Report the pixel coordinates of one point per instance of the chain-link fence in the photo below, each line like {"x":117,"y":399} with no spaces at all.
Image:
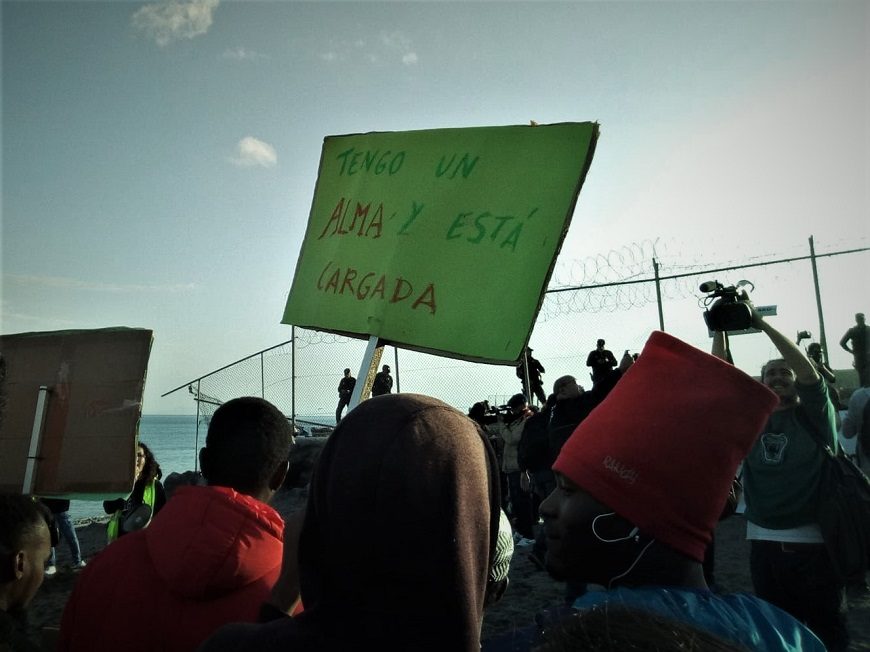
{"x":632,"y":293}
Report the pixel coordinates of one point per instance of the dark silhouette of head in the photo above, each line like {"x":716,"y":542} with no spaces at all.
{"x":566,"y":387}
{"x":477,"y":412}
{"x":417,"y":468}
{"x":247,"y":447}
{"x":516,"y":401}
{"x":25,"y":545}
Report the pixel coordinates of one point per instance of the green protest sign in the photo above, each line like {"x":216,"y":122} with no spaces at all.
{"x":440,"y":240}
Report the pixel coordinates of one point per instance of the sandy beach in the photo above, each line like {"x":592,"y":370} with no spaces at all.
{"x":530,"y":591}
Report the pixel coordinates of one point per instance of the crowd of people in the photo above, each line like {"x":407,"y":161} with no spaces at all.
{"x":629,"y":478}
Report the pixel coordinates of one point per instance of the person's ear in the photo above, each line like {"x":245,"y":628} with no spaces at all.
{"x":20,"y":564}
{"x":204,"y":462}
{"x":279,"y":475}
{"x":8,"y":567}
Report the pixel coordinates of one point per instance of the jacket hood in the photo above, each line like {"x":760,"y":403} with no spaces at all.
{"x":200,"y":543}
{"x":400,"y":528}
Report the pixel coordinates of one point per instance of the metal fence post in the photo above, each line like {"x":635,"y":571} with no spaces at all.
{"x":659,"y":294}
{"x":823,"y":340}
{"x":293,"y":378}
{"x":196,"y":445}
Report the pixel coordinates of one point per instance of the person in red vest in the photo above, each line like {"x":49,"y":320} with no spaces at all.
{"x":210,"y":557}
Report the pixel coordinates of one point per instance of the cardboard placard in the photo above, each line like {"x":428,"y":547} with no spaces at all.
{"x":440,"y":240}
{"x":95,"y":381}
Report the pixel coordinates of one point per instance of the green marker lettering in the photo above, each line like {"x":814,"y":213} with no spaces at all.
{"x":481,"y":229}
{"x":415,"y":213}
{"x":343,"y":156}
{"x":457,"y":224}
{"x":501,"y":222}
{"x":512,"y":237}
{"x":354,"y":163}
{"x":369,"y":159}
{"x":465,"y":165}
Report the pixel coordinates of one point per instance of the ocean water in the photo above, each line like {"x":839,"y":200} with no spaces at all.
{"x":173,"y":440}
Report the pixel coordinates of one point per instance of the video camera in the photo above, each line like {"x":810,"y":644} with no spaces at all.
{"x":485,"y":414}
{"x":503,"y":410}
{"x":731,"y":313}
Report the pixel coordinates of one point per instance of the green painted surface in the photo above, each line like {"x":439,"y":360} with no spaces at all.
{"x":441,"y":240}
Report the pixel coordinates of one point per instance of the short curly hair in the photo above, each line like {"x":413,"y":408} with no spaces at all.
{"x":20,"y":518}
{"x":247,"y":439}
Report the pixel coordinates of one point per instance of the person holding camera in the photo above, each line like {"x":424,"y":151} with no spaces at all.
{"x":814,"y":353}
{"x":789,"y":563}
{"x":510,"y":430}
{"x":602,"y":361}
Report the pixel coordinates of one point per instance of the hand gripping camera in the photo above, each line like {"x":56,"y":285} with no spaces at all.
{"x":730,"y":313}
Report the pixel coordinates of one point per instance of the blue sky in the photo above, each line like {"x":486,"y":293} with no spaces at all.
{"x":158,"y":159}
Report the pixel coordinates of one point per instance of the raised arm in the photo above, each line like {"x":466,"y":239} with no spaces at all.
{"x":826,"y":372}
{"x":804,"y":370}
{"x":844,"y":341}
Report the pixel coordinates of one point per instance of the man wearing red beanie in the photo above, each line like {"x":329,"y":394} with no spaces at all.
{"x":641,"y":484}
{"x":789,"y":562}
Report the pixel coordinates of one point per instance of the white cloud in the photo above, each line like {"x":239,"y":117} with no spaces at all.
{"x":242,"y":54}
{"x":251,"y":151}
{"x":172,"y":20}
{"x":395,"y":41}
{"x":13,"y":321}
{"x":388,"y":47}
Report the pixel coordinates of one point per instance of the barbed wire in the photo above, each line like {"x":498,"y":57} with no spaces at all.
{"x":624,"y":279}
{"x":305,"y":337}
{"x":301,"y":376}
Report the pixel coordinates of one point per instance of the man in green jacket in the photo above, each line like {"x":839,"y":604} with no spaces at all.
{"x":789,"y":562}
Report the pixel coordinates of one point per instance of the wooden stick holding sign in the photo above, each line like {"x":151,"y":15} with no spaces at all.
{"x":367,"y":370}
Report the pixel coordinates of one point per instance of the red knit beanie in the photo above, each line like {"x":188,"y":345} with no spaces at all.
{"x":662,"y":449}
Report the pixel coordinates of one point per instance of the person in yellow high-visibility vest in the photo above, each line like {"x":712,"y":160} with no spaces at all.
{"x":146,"y":499}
